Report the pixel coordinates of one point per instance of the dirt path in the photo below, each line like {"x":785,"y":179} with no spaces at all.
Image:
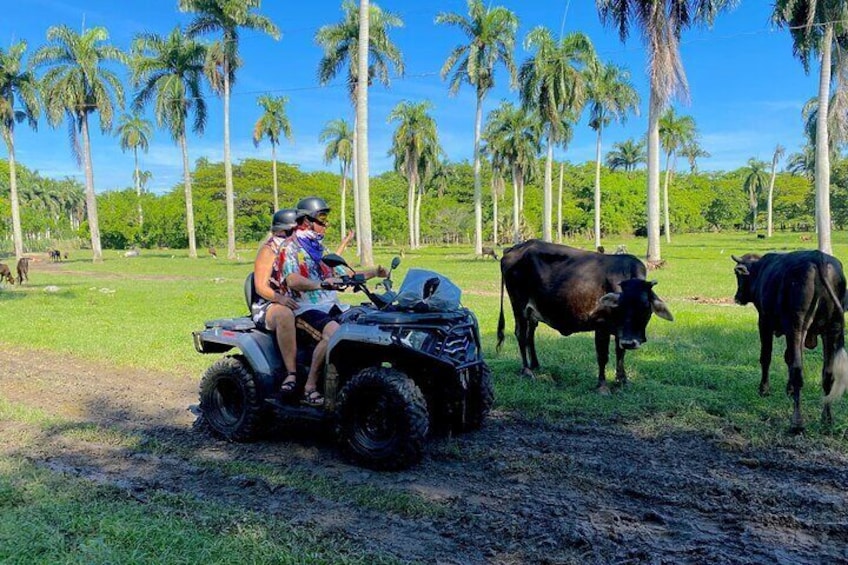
{"x":516,"y":492}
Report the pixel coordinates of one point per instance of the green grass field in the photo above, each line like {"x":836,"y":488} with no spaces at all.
{"x":699,"y":373}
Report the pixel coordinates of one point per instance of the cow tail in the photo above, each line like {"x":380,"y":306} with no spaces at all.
{"x":840,"y":376}
{"x":501,"y":321}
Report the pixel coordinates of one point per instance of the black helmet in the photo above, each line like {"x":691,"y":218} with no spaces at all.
{"x":311,"y":206}
{"x":284,"y":220}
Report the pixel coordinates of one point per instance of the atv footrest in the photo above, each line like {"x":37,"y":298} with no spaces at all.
{"x":289,"y":410}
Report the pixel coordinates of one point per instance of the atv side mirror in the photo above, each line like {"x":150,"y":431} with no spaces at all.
{"x":395,"y":263}
{"x":332,"y":260}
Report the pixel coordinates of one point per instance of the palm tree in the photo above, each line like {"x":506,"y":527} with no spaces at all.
{"x":169,"y":72}
{"x":21,"y":84}
{"x":134,"y":132}
{"x":693,"y":151}
{"x":338,"y":136}
{"x":490,"y":35}
{"x":554,"y":86}
{"x":227,"y":17}
{"x":815,"y":26}
{"x":755,"y":181}
{"x":626,"y":155}
{"x":675,"y":132}
{"x":611,"y":96}
{"x":779,"y":151}
{"x":836,"y":124}
{"x":514,"y":133}
{"x":76,"y":84}
{"x":803,"y":163}
{"x":414,"y":136}
{"x":272,"y":124}
{"x":661,"y":22}
{"x":340,"y":43}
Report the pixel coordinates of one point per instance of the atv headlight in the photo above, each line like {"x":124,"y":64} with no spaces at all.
{"x":415,"y":339}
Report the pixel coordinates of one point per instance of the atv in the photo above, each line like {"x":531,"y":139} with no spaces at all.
{"x":397,"y":368}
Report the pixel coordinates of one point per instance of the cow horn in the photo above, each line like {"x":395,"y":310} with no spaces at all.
{"x":735,"y":258}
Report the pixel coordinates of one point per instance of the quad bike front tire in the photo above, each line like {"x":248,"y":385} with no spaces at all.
{"x":230,"y":405}
{"x":382,"y":419}
{"x":479,"y":399}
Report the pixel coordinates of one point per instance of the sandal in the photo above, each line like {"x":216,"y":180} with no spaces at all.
{"x":288,"y":387}
{"x":312,"y":398}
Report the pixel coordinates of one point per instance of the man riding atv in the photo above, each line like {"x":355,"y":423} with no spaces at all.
{"x":313,"y":286}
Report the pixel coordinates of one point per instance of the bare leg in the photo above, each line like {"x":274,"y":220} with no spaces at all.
{"x":318,"y":357}
{"x":281,"y":321}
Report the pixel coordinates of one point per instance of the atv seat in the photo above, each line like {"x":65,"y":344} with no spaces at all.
{"x":250,"y":295}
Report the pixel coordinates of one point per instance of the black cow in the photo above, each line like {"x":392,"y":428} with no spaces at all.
{"x":797,"y":295}
{"x":55,"y":255}
{"x":23,"y":270}
{"x":573,"y":290}
{"x":6,"y":274}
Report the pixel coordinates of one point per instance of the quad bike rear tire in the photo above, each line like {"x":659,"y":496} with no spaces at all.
{"x":382,"y":419}
{"x":230,"y":405}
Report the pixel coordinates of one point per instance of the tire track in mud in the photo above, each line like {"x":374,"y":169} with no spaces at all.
{"x":518,"y":491}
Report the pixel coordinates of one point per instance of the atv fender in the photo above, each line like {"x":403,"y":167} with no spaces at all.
{"x":259,"y":349}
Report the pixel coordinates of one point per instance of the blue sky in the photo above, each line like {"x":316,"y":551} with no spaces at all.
{"x":746,"y":89}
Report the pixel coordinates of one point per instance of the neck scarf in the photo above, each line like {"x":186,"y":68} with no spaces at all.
{"x":311,"y":243}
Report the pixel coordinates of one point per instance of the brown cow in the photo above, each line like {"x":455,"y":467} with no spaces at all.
{"x":490,"y":252}
{"x":23,"y":270}
{"x":6,"y":274}
{"x":213,"y":252}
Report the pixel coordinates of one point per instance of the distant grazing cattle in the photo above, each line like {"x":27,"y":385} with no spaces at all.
{"x":797,"y":295}
{"x":761,"y":236}
{"x":6,"y":274}
{"x":55,"y":255}
{"x":806,"y":237}
{"x":23,"y":270}
{"x":572,"y":291}
{"x":213,"y":252}
{"x":490,"y":252}
{"x":621,"y":250}
{"x":65,"y":255}
{"x":131,"y":253}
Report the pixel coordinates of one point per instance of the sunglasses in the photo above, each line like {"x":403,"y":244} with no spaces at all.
{"x":320,"y":219}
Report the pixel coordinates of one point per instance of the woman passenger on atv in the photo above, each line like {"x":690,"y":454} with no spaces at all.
{"x":313,"y":286}
{"x":274,"y":307}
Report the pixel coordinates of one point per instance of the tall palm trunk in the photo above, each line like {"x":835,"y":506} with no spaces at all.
{"x":771,"y":193}
{"x":598,"y":190}
{"x":516,"y":234}
{"x":478,"y":191}
{"x":495,"y":180}
{"x":17,"y":234}
{"x":410,"y":207}
{"x":665,"y":196}
{"x":138,"y":189}
{"x":228,"y":166}
{"x":192,"y":243}
{"x":822,"y":146}
{"x":274,"y":169}
{"x":343,"y":222}
{"x":653,"y":202}
{"x":90,"y":197}
{"x":362,"y":130}
{"x":418,"y":217}
{"x":559,"y":203}
{"x":355,"y":182}
{"x":548,"y":200}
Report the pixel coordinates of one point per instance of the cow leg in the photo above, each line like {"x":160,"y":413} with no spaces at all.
{"x":766,"y":345}
{"x":602,"y":340}
{"x":620,"y":373}
{"x":794,"y":358}
{"x":829,"y":345}
{"x":532,"y":324}
{"x":521,"y":337}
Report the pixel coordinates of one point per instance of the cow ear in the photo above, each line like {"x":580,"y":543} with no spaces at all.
{"x":609,"y":300}
{"x":660,"y":309}
{"x":741,"y":270}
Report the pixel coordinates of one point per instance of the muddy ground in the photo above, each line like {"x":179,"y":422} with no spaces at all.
{"x":518,"y":491}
